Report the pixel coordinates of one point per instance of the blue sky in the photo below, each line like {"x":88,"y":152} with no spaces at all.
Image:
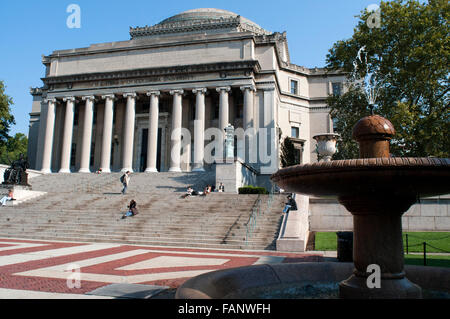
{"x":32,"y":28}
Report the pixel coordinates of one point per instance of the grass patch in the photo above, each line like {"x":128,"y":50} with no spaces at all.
{"x":440,"y":240}
{"x":437,"y":242}
{"x":325,"y":241}
{"x":434,"y":261}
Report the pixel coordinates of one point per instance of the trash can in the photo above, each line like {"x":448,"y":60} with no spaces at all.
{"x":345,"y":246}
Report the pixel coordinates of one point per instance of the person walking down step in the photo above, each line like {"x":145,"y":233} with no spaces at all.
{"x":125,"y":180}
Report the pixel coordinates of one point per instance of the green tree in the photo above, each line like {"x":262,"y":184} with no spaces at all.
{"x":6,"y":118}
{"x":410,"y":52}
{"x":287,"y":153}
{"x":13,"y":148}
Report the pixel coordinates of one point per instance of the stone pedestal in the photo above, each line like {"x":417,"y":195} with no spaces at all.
{"x":226,"y":174}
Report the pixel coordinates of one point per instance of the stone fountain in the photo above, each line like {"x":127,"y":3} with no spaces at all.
{"x":377,"y":189}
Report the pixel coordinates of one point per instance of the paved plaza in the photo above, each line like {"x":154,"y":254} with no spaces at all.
{"x":36,"y":269}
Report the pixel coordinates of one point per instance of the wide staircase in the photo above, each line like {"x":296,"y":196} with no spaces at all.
{"x":89,"y":207}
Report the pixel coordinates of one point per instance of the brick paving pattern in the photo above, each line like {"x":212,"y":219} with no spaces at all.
{"x":45,"y":266}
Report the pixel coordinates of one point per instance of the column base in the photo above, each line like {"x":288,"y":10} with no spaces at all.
{"x":84,"y":170}
{"x":46,"y":171}
{"x":64,"y":171}
{"x":106,"y":170}
{"x":355,"y":287}
{"x":124,"y":170}
{"x":198,"y":169}
{"x":151,"y":170}
{"x":175,"y":170}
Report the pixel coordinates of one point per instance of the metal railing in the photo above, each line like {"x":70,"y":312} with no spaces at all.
{"x":257,"y":211}
{"x":424,"y":245}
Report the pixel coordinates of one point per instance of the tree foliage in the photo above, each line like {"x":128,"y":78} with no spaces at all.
{"x":13,"y":148}
{"x":410,"y":52}
{"x":6,"y":118}
{"x":10,"y":147}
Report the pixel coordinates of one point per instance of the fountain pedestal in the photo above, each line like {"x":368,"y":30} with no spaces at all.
{"x":378,"y":242}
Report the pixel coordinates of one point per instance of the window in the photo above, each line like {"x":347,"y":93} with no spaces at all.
{"x":76,"y":116}
{"x":294,"y":87}
{"x":215,"y":108}
{"x":94,"y":121}
{"x":295,"y":132}
{"x":239,"y":105}
{"x":337,"y":88}
{"x":334,"y":124}
{"x":192,"y":108}
{"x":73,"y":154}
{"x":91,"y":160}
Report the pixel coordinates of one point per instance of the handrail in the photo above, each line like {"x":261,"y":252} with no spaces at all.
{"x":251,"y":222}
{"x":256,"y":212}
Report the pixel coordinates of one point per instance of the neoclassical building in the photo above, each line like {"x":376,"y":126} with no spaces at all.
{"x":115,"y":105}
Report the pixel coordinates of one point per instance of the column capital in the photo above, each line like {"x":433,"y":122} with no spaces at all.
{"x":156,"y":93}
{"x":52,"y":99}
{"x":199,"y":90}
{"x":248,"y":87}
{"x":109,"y":96}
{"x":270,"y":87}
{"x":173,"y":92}
{"x":69,"y":98}
{"x":223,"y":88}
{"x":88,"y":98}
{"x":130,"y":94}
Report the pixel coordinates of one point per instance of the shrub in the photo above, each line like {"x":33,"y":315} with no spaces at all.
{"x":250,"y":189}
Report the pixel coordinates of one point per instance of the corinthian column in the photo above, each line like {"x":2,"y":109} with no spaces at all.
{"x":199,"y":130}
{"x":153,"y":132}
{"x":129,"y":132}
{"x":248,"y":106}
{"x":223,"y":107}
{"x":48,"y":137}
{"x":175,"y":153}
{"x":87,"y":134}
{"x":67,"y":135}
{"x":105,"y":158}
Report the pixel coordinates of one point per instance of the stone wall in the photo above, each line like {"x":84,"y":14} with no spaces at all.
{"x":431,"y":214}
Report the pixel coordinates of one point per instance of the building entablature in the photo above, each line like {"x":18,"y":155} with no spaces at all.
{"x":163,"y":75}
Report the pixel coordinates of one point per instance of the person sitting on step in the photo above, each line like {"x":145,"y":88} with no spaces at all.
{"x":7,"y":197}
{"x":132,"y":210}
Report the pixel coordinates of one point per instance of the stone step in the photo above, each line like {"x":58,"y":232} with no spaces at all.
{"x":88,"y":207}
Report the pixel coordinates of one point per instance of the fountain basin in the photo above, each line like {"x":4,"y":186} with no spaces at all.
{"x":387,"y":176}
{"x":316,"y":280}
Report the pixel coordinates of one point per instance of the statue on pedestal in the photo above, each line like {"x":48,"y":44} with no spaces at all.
{"x":16,"y":174}
{"x":229,"y":142}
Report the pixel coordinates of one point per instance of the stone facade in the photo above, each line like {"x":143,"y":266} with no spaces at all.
{"x":117,"y":106}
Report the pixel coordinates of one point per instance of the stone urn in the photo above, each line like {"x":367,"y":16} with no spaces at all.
{"x":326,"y":145}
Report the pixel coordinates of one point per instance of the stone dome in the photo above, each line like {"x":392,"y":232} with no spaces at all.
{"x":206,"y":14}
{"x":200,"y":20}
{"x":372,"y":126}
